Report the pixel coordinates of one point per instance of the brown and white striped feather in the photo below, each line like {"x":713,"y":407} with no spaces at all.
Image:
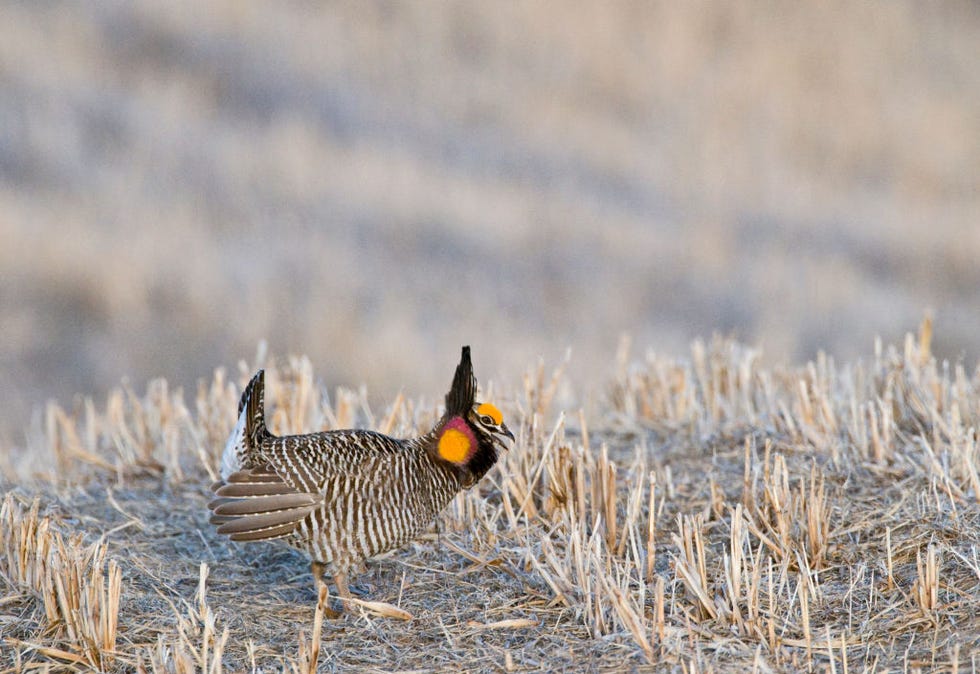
{"x":341,"y":496}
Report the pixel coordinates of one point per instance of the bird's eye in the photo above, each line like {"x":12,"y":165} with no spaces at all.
{"x":486,"y":420}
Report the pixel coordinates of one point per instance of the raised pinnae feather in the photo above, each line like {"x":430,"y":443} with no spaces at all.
{"x":462,"y":393}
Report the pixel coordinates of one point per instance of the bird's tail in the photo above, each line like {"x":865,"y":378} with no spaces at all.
{"x":250,"y":429}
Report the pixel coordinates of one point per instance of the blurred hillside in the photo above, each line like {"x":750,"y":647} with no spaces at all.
{"x":374,"y":184}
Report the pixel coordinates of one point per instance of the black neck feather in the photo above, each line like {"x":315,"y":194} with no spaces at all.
{"x":483,"y":459}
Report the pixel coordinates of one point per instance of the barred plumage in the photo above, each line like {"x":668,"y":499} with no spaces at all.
{"x":346,"y":496}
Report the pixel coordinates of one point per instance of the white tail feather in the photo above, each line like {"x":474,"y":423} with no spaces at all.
{"x":231,"y":459}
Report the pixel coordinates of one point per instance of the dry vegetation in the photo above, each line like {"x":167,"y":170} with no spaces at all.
{"x":711,"y":516}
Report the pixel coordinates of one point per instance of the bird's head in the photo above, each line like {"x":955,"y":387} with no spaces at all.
{"x":470,"y":431}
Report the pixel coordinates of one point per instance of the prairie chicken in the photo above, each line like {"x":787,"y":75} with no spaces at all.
{"x":345,"y":496}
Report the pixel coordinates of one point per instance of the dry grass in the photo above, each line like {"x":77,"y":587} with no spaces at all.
{"x":79,"y":591}
{"x":712,"y":516}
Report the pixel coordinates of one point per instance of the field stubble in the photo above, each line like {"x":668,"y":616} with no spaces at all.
{"x":710,"y":516}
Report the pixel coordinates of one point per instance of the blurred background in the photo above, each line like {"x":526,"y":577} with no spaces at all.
{"x":376,"y":183}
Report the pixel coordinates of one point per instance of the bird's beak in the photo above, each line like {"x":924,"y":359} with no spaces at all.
{"x":506,"y":431}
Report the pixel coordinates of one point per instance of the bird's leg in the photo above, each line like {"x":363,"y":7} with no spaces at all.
{"x":318,"y":569}
{"x":340,"y":580}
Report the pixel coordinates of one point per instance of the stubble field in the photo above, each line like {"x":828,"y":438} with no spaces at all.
{"x":713,"y":516}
